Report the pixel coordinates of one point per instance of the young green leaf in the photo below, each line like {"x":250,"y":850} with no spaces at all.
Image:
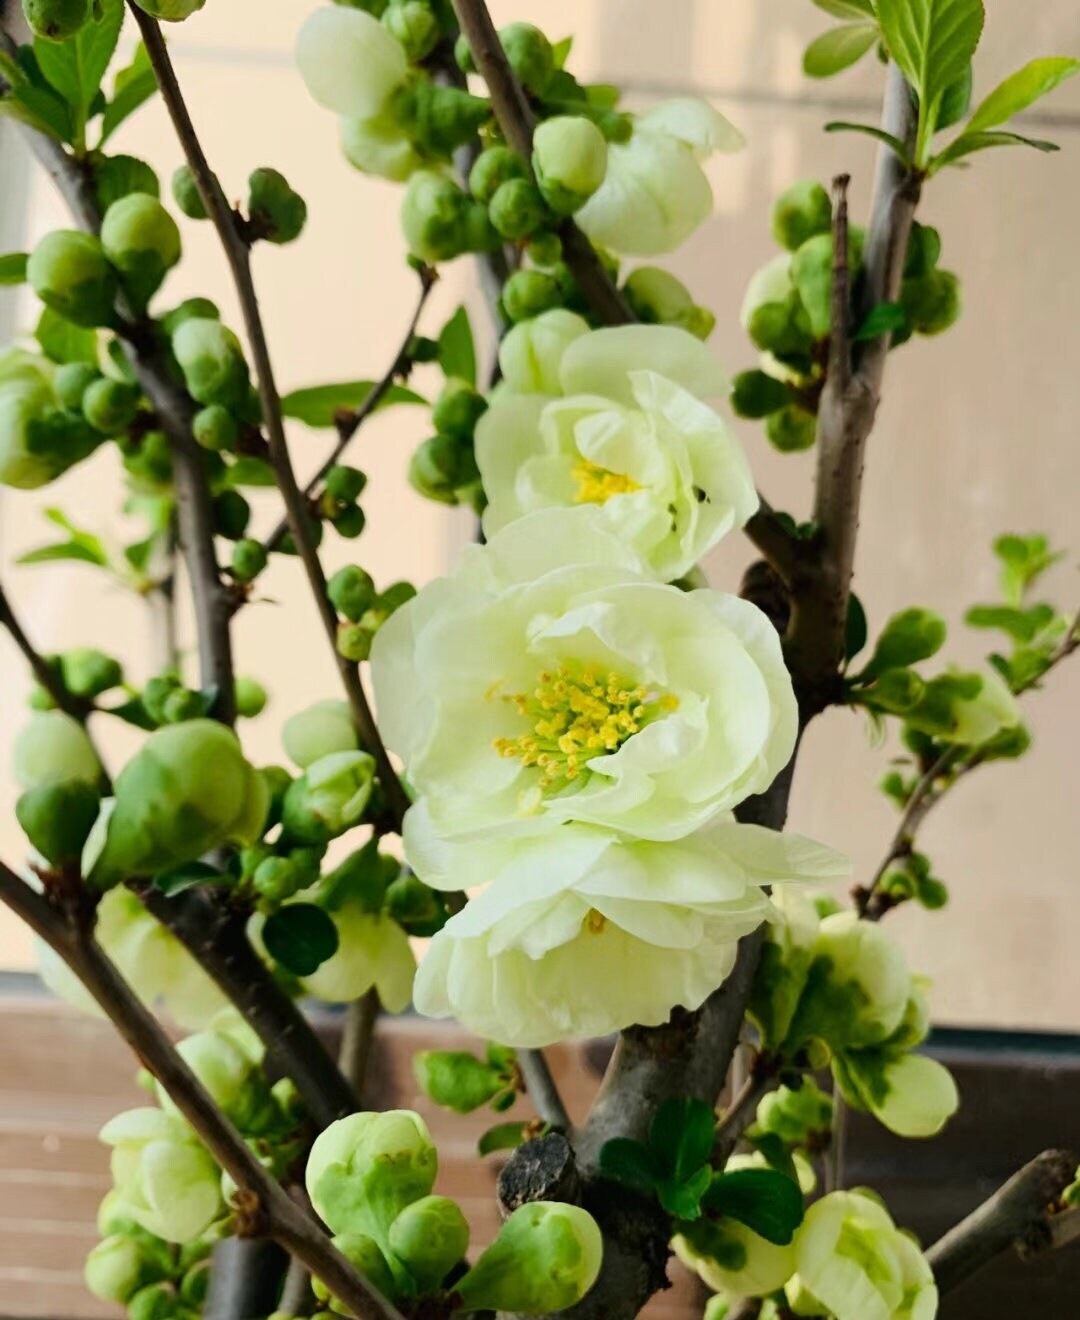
{"x":882,"y":319}
{"x":629,"y":1162}
{"x":683,"y":1199}
{"x":185,"y":877}
{"x":838,"y":49}
{"x":503,"y":1136}
{"x":932,"y":41}
{"x":1020,"y":90}
{"x":1020,"y":625}
{"x":844,"y":126}
{"x":134,"y":86}
{"x":64,"y":342}
{"x":766,"y":1201}
{"x":908,"y":637}
{"x":856,"y":628}
{"x":76,"y":67}
{"x":250,"y":471}
{"x":955,"y":101}
{"x":318,"y":405}
{"x":853,"y":10}
{"x":301,"y":937}
{"x":457,"y":352}
{"x":968,"y":143}
{"x":681,"y":1137}
{"x":13,"y":267}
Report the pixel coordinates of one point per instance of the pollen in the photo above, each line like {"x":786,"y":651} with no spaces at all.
{"x":594,"y":922}
{"x":596,"y":485}
{"x":574,"y":715}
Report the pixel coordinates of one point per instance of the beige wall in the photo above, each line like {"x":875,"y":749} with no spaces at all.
{"x":977,"y":433}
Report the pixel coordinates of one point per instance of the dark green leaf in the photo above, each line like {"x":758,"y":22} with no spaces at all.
{"x":968,"y":143}
{"x":503,"y":1136}
{"x":766,"y":1201}
{"x":851,"y":10}
{"x":76,"y":67}
{"x":629,"y":1162}
{"x":40,"y":109}
{"x":855,"y":631}
{"x":184,"y":877}
{"x":317,"y":405}
{"x":955,"y":101}
{"x":118,"y":176}
{"x":457,"y":352}
{"x":883,"y":319}
{"x":775,"y":1152}
{"x":843,"y":126}
{"x":683,"y":1199}
{"x":681,"y":1137}
{"x":64,"y":342}
{"x":13,"y":267}
{"x":134,"y":86}
{"x":838,"y":49}
{"x":133,"y":712}
{"x":1020,"y":90}
{"x":932,"y":41}
{"x":301,"y":937}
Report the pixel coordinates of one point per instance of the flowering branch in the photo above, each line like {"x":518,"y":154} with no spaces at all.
{"x":238,"y":254}
{"x":65,"y":923}
{"x":43,"y":673}
{"x":542,"y":1089}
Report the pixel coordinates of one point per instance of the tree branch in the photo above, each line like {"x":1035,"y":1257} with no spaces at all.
{"x":238,"y":256}
{"x":357,"y":1039}
{"x":1017,"y":1215}
{"x":542,"y":1090}
{"x":66,"y":926}
{"x":742,"y":1111}
{"x":43,"y":672}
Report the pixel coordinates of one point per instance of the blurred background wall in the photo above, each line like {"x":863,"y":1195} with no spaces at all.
{"x":977,"y":433}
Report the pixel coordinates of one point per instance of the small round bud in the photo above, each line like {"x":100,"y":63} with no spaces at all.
{"x":351,"y":592}
{"x":69,"y":272}
{"x":329,"y":798}
{"x":439,"y":466}
{"x":87,"y":672}
{"x":791,"y":429}
{"x":932,"y":302}
{"x":570,"y":161}
{"x":458,"y":410}
{"x":170,"y":11}
{"x":141,"y":240}
{"x":463,"y":55}
{"x":349,"y":522}
{"x":186,"y":193}
{"x":275,"y":211}
{"x":156,"y":1302}
{"x":530,"y":55}
{"x":195,"y":1285}
{"x":232,"y":513}
{"x":58,"y":818}
{"x":53,"y":748}
{"x":801,"y":212}
{"x":414,"y":24}
{"x":277,"y":879}
{"x":529,"y":293}
{"x":248,"y":559}
{"x":354,"y":642}
{"x":433,"y":215}
{"x":517,"y":209}
{"x":251,"y":698}
{"x":345,"y":483}
{"x":321,"y":729}
{"x":212,"y":360}
{"x":757,"y":394}
{"x":110,"y":406}
{"x":430,"y":1237}
{"x":189,"y":310}
{"x":416,"y":907}
{"x":366,"y":1257}
{"x":396,"y":595}
{"x":181,"y":706}
{"x":71,"y":381}
{"x":658,"y":298}
{"x":494,"y":167}
{"x":57,"y":20}
{"x":544,"y":250}
{"x":114,"y":1269}
{"x":215,"y":428}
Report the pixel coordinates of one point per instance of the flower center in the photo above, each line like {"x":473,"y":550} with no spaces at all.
{"x":596,"y":485}
{"x":576,"y":714}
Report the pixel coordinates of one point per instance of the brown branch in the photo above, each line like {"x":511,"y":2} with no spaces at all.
{"x":1017,"y":1215}
{"x":783,"y":552}
{"x":357,"y":1040}
{"x":46,"y":677}
{"x":742,"y":1111}
{"x":68,"y":929}
{"x":238,"y":256}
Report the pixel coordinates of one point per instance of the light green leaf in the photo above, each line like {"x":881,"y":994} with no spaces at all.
{"x":871,"y":130}
{"x":1020,"y":90}
{"x":76,"y":67}
{"x":503,"y":1136}
{"x":852,"y":10}
{"x":968,"y":143}
{"x":69,"y":550}
{"x":38,"y":109}
{"x":13,"y":267}
{"x":838,"y":49}
{"x":250,"y":471}
{"x":318,"y":404}
{"x":134,"y":86}
{"x":64,"y":342}
{"x":932,"y":41}
{"x":955,"y":101}
{"x":560,"y":51}
{"x":457,"y":352}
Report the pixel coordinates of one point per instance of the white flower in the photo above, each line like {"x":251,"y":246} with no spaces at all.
{"x":549,"y":680}
{"x":349,"y":61}
{"x":669,"y":476}
{"x":531,"y":354}
{"x":379,"y":146}
{"x":579,"y":933}
{"x":655,"y":193}
{"x":372,"y":950}
{"x":855,"y":1262}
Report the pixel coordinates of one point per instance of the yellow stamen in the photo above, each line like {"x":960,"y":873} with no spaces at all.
{"x":594,"y":922}
{"x":596,"y":485}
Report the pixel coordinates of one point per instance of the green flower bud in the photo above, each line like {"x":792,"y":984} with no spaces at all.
{"x":189,"y":310}
{"x":248,"y":560}
{"x":658,"y":298}
{"x":350,"y":522}
{"x":365,"y":1256}
{"x":69,"y":272}
{"x":570,"y":161}
{"x":251,"y":698}
{"x":156,"y":1302}
{"x":529,"y":293}
{"x":417,"y":907}
{"x":345,"y":483}
{"x":277,"y":879}
{"x":544,"y":250}
{"x":53,"y":748}
{"x":546,"y":1258}
{"x":188,"y":791}
{"x":924,"y":249}
{"x":530,"y":54}
{"x":458,"y":409}
{"x":71,"y":381}
{"x":414,"y":25}
{"x":170,"y":11}
{"x":430,"y":1237}
{"x":354,"y":642}
{"x":794,"y":1116}
{"x":215,"y":428}
{"x":494,"y":167}
{"x":365,"y":1169}
{"x":195,"y":1285}
{"x":517,"y":209}
{"x":212,"y":360}
{"x":352,"y":592}
{"x":757,"y":394}
{"x":783,"y":329}
{"x":456,"y":1080}
{"x":931,"y":302}
{"x":396,"y":595}
{"x":379,"y":146}
{"x":57,"y":20}
{"x":114,"y":1269}
{"x":232,"y":513}
{"x":434,"y":217}
{"x":87,"y":672}
{"x":183,"y":705}
{"x":329,"y":798}
{"x":141,"y":240}
{"x":275,"y":211}
{"x":531,"y":353}
{"x":436,"y":119}
{"x":361,"y":879}
{"x":58,"y":818}
{"x":811,"y":271}
{"x":318,"y":731}
{"x":791,"y":429}
{"x":439,"y":467}
{"x":110,"y":406}
{"x":228,"y":1072}
{"x":801,"y":212}
{"x":186,"y":193}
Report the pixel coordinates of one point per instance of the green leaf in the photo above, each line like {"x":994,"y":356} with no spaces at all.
{"x":968,"y":143}
{"x":133,"y":712}
{"x":13,"y":267}
{"x":317,"y":405}
{"x":683,"y":1199}
{"x":503,"y":1136}
{"x":68,"y":550}
{"x":560,"y":51}
{"x":775,"y":1152}
{"x":955,"y":101}
{"x":681,"y":1136}
{"x":1024,"y":559}
{"x":457,"y":352}
{"x":76,"y":67}
{"x":38,"y":109}
{"x":134,"y":86}
{"x":184,"y":877}
{"x":882,"y":319}
{"x":908,"y":637}
{"x":118,"y":176}
{"x":932,"y":41}
{"x":250,"y":471}
{"x":1020,"y":90}
{"x":871,"y":130}
{"x":838,"y":49}
{"x":766,"y":1201}
{"x":855,"y":630}
{"x":64,"y":342}
{"x":854,"y":10}
{"x":301,"y":937}
{"x":629,"y":1162}
{"x":1020,"y":625}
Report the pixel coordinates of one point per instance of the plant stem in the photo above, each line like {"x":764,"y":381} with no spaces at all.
{"x":238,"y":256}
{"x":357,"y":1040}
{"x":542,"y":1089}
{"x":742,"y":1110}
{"x":42,"y":671}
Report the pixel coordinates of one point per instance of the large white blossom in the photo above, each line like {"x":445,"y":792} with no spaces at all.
{"x":655,"y":193}
{"x":579,"y":933}
{"x":631,"y":435}
{"x":550,"y":680}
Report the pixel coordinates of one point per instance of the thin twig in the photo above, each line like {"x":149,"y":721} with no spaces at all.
{"x":768,"y":533}
{"x":262,"y":1206}
{"x":357,"y":1040}
{"x":542,"y":1090}
{"x":743,"y":1109}
{"x":43,"y":672}
{"x":836,"y":1151}
{"x":238,"y":256}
